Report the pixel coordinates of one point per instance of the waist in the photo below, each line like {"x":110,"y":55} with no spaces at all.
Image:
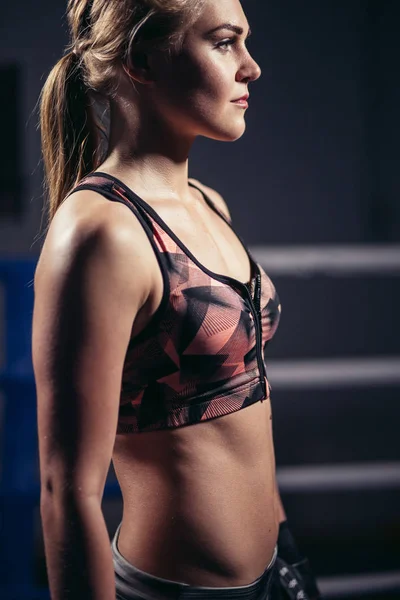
{"x":202,"y":496}
{"x":130,"y":579}
{"x":209,"y":531}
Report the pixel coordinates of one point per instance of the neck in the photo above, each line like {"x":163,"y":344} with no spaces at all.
{"x":146,"y":151}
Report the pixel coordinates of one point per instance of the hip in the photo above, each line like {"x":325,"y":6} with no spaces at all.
{"x":133,"y":583}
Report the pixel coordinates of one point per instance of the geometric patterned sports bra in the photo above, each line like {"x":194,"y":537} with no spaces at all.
{"x":201,"y":355}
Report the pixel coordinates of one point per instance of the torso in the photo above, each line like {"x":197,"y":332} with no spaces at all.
{"x":199,"y":501}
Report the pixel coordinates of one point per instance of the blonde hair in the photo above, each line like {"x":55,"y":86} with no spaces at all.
{"x":74,"y":101}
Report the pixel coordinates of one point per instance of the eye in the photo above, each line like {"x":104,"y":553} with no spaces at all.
{"x":224,"y":44}
{"x":230,"y":42}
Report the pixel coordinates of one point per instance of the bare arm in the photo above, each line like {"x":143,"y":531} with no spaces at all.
{"x":279,"y":505}
{"x":89,"y":284}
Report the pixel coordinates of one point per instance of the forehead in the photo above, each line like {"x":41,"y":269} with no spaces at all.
{"x":223,"y":11}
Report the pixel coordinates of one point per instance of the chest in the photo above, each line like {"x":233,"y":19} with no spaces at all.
{"x":207,"y":237}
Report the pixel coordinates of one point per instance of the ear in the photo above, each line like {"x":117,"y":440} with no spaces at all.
{"x":139,"y":68}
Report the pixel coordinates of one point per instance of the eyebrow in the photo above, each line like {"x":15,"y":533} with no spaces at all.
{"x":231,"y":27}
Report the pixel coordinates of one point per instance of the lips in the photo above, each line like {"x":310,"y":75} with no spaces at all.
{"x":242,"y":99}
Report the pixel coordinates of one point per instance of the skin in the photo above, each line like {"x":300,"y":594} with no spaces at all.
{"x":200,"y":503}
{"x":162,"y":107}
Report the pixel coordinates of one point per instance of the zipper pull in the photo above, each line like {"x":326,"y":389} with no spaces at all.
{"x":266,"y":386}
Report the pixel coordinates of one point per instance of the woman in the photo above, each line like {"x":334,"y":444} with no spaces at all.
{"x":151,"y":318}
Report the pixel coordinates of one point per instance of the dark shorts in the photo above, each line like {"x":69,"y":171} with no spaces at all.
{"x":132,"y":583}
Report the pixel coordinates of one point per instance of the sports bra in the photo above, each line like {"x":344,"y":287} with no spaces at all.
{"x":201,"y":355}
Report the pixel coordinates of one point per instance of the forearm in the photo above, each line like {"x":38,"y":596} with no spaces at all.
{"x":278,"y":504}
{"x":78,"y":553}
{"x":289,"y":551}
{"x":287,"y":546}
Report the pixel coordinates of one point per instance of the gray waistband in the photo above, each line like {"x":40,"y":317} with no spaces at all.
{"x":132,"y":583}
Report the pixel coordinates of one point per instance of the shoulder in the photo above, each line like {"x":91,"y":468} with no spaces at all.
{"x":214,"y":196}
{"x":87,"y":216}
{"x":92,"y":234}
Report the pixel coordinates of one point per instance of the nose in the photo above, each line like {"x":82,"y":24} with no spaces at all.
{"x":250,"y":70}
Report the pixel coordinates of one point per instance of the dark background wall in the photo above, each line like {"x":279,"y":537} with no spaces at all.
{"x":318,"y":165}
{"x":318,"y":162}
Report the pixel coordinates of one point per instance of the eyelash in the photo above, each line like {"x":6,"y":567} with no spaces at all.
{"x":228,"y":42}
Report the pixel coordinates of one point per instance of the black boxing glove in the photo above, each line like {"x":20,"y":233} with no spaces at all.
{"x":289,"y":552}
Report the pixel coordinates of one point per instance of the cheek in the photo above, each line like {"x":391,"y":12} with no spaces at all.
{"x":199,"y":82}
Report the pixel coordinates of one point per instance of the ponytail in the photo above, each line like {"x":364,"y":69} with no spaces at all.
{"x":75,"y":102}
{"x":67,"y":134}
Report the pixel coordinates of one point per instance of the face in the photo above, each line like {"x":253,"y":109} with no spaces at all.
{"x":196,"y":90}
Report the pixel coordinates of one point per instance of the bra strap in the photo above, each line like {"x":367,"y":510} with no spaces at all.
{"x":212,"y":204}
{"x":253,"y":262}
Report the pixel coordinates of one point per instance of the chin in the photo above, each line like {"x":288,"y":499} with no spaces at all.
{"x":230,"y":134}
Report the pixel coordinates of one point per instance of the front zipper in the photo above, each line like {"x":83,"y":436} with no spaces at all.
{"x":256,"y":311}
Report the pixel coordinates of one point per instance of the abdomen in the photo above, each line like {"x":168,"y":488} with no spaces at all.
{"x":199,"y":501}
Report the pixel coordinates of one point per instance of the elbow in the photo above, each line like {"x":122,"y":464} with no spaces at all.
{"x":63,"y":493}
